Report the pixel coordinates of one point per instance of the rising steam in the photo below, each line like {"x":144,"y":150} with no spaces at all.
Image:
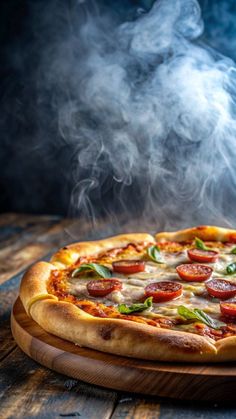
{"x":155,"y":121}
{"x":145,"y":111}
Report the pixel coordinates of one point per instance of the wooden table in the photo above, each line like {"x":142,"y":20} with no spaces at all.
{"x":29,"y":390}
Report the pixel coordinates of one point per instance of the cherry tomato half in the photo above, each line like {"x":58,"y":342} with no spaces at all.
{"x":204,"y":256}
{"x":126,"y":266}
{"x":163,"y":291}
{"x":193,"y":272}
{"x":220,"y":288}
{"x":103,"y":287}
{"x":228,"y":309}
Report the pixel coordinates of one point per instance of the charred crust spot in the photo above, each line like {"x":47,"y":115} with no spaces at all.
{"x":183,"y":344}
{"x":106,"y":332}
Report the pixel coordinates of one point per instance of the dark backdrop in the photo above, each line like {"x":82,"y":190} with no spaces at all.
{"x":35,"y":160}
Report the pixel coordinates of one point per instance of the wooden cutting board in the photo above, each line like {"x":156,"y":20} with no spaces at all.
{"x":215,"y":382}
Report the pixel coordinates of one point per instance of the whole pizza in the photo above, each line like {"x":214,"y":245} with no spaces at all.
{"x":171,"y":297}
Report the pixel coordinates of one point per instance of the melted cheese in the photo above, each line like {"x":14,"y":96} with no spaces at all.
{"x":133,"y":289}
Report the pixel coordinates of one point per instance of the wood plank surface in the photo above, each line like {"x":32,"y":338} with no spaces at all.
{"x":28,"y":390}
{"x":25,"y":239}
{"x":136,"y":408}
{"x":7,"y":342}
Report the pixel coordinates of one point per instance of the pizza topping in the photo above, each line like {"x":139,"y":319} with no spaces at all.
{"x":100,"y":270}
{"x":204,"y":330}
{"x":232,"y":238}
{"x":170,"y":246}
{"x":199,"y":244}
{"x":103,"y":287}
{"x":228,"y":309}
{"x":127,"y":267}
{"x":134,"y":249}
{"x":135,"y":308}
{"x":199,"y":315}
{"x":194,"y":272}
{"x":155,"y":254}
{"x":220,"y":288}
{"x":91,"y":308}
{"x":163,"y":291}
{"x":231,"y":268}
{"x":174,"y":259}
{"x":154,"y":266}
{"x":204,"y":256}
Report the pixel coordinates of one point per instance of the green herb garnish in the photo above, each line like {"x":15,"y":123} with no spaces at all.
{"x":231,"y":268}
{"x":233,"y":251}
{"x":135,"y":308}
{"x":155,"y":254}
{"x":101,"y":270}
{"x":199,"y":244}
{"x":199,"y":315}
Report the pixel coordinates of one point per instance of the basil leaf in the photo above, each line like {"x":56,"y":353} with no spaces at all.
{"x":199,"y":315}
{"x":231,"y":268}
{"x":101,"y":270}
{"x":199,"y":244}
{"x":186,"y":313}
{"x":215,"y":324}
{"x":233,"y":251}
{"x":154,"y":254}
{"x":135,"y":308}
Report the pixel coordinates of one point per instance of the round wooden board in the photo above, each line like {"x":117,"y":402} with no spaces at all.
{"x":213,"y":382}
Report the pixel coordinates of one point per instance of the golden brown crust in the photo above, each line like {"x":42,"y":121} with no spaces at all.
{"x":210,"y":233}
{"x":118,"y":336}
{"x":226,"y":349}
{"x":69,"y":254}
{"x":34,"y":284}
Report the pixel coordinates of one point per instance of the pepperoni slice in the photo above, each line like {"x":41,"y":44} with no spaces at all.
{"x":163,"y":291}
{"x":193,"y":272}
{"x":103,"y":287}
{"x":220,"y":288}
{"x":204,"y":256}
{"x":126,"y":266}
{"x":228,"y":309}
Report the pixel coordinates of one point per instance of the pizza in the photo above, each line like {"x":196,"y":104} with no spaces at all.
{"x":169,"y":297}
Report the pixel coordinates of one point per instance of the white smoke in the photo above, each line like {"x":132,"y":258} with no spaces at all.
{"x":129,"y":107}
{"x":155,"y":122}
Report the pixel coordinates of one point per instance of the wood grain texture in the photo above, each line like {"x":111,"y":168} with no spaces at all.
{"x":8,"y":294}
{"x":7,"y":343}
{"x":26,"y":239}
{"x":136,"y":408}
{"x":28,"y":390}
{"x":181,"y":381}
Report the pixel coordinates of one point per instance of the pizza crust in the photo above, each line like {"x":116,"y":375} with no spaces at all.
{"x":33,"y":285}
{"x":226,"y":349}
{"x":118,"y":336}
{"x":69,"y":254}
{"x":34,"y":282}
{"x":210,"y":233}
